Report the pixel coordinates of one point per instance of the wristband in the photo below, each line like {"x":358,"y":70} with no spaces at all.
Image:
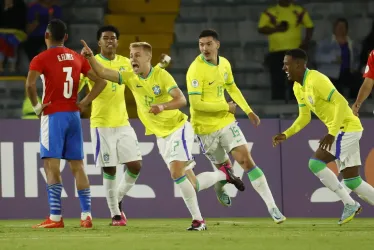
{"x":37,"y":108}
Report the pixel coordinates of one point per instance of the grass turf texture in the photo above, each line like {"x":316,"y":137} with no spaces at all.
{"x":223,"y":233}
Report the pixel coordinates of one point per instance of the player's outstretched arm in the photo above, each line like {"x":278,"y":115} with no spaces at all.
{"x":100,"y":70}
{"x":32,"y":93}
{"x":97,"y":88}
{"x":363,"y":94}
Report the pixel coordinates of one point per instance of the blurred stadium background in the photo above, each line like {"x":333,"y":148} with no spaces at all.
{"x":173,"y":27}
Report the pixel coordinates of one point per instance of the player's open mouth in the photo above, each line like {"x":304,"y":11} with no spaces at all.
{"x":206,"y":54}
{"x":135,"y":66}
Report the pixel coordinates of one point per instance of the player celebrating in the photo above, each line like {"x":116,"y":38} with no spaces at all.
{"x":367,"y":85}
{"x":61,"y":132}
{"x":158,"y":101}
{"x":315,"y":92}
{"x":113,"y":139}
{"x":214,"y":122}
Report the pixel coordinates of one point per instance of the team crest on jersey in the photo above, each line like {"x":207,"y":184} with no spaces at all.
{"x":225,"y":76}
{"x":195,"y":83}
{"x":106,"y":157}
{"x":310,"y":100}
{"x":122,"y":68}
{"x":156,"y":90}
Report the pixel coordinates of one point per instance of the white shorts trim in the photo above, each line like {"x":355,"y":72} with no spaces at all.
{"x":217,"y":145}
{"x":346,"y":149}
{"x":114,"y":146}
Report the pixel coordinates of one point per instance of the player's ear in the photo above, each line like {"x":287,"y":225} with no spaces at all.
{"x":46,"y":35}
{"x":66,"y":37}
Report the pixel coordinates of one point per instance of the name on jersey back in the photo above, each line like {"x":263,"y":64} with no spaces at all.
{"x":65,"y":57}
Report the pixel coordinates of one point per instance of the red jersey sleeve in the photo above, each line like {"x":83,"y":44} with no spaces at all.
{"x":369,"y":70}
{"x":85,"y":66}
{"x":37,"y":64}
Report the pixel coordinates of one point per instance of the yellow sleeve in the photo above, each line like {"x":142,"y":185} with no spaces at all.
{"x":124,"y":76}
{"x":326,"y":91}
{"x":169,"y":81}
{"x":302,"y":120}
{"x":307,"y":21}
{"x":264,"y":21}
{"x":82,"y":82}
{"x":194,"y":88}
{"x":234,"y":91}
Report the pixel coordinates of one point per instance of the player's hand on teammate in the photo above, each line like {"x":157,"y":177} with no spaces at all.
{"x":255,"y":120}
{"x":355,"y":108}
{"x":232,"y":107}
{"x":156,"y":108}
{"x":326,"y":142}
{"x":86,"y":51}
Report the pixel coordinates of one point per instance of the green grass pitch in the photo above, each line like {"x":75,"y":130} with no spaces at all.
{"x":164,"y":234}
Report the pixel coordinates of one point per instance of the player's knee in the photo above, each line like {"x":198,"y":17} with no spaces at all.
{"x":76,"y":166}
{"x":110,"y":170}
{"x":176,"y":169}
{"x":134,"y":166}
{"x":316,"y":165}
{"x":353,"y":183}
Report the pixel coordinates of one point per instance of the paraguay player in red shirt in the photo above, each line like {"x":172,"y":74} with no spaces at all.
{"x":61,"y":131}
{"x":367,"y":85}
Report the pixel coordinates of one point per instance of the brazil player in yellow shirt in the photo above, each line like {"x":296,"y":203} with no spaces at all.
{"x":158,"y":100}
{"x":315,"y":92}
{"x":113,"y":139}
{"x":213,"y":120}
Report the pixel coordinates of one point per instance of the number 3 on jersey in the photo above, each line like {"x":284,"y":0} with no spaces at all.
{"x":68,"y":84}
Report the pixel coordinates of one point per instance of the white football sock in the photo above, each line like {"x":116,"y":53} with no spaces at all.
{"x":208,"y":179}
{"x":110,"y":194}
{"x":366,"y":192}
{"x":127,"y":182}
{"x":260,"y":184}
{"x":329,"y":179}
{"x":189,"y":197}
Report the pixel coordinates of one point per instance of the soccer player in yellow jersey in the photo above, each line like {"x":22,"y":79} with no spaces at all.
{"x":158,"y":100}
{"x":213,"y":118}
{"x":113,"y":139}
{"x":315,"y":92}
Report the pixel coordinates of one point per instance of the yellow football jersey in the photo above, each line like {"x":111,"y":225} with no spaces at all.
{"x":154,"y":89}
{"x":316,"y":93}
{"x":109,"y":108}
{"x":209,"y":81}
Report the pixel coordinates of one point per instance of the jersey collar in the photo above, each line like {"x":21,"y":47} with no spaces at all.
{"x":104,"y":58}
{"x":148,"y":76}
{"x":61,"y":46}
{"x":210,"y":64}
{"x":305,"y":74}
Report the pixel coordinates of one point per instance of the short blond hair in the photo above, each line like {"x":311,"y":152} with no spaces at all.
{"x":146,"y":46}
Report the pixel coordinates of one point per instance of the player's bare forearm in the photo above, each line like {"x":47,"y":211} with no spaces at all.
{"x":365,"y":90}
{"x":267,"y":30}
{"x":309,"y":34}
{"x":31,"y":90}
{"x":179,"y":100}
{"x":102,"y":72}
{"x":238,"y":98}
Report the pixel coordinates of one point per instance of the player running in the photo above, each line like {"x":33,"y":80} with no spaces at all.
{"x":113,"y":139}
{"x":61,"y":132}
{"x":213,"y":120}
{"x":158,"y":100}
{"x":315,"y":92}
